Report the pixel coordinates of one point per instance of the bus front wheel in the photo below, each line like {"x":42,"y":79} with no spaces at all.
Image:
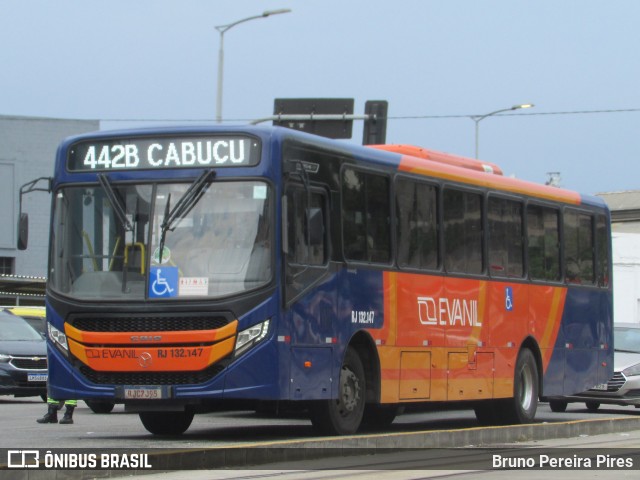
{"x":100,"y":406}
{"x":342,"y":416}
{"x":166,"y":423}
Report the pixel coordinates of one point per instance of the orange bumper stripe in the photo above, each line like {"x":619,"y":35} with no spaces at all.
{"x":151,"y":358}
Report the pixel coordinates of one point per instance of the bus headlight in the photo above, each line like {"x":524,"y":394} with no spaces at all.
{"x":251,"y":336}
{"x":58,"y":337}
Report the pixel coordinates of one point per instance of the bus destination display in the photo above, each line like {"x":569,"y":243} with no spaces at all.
{"x":163,"y":152}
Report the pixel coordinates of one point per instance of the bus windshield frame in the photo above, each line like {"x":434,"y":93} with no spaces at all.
{"x":114,"y":241}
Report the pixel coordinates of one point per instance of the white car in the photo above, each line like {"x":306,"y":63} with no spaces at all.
{"x":623,"y":388}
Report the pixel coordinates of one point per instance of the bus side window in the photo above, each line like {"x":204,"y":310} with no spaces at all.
{"x":462,"y":231}
{"x":543,"y":231}
{"x":506,"y":249}
{"x":578,"y":247}
{"x":366,"y":216}
{"x":417,"y":226}
{"x":602,"y":251}
{"x":306,"y":239}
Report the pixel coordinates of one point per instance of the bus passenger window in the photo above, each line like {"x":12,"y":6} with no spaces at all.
{"x":578,"y":248}
{"x":462,"y":231}
{"x":506,"y":249}
{"x":366,"y":217}
{"x":602,"y":250}
{"x":306,"y":227}
{"x":417,"y":228}
{"x":543,"y":232}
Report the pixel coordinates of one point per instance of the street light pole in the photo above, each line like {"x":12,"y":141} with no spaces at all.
{"x":479,"y":118}
{"x":222,"y":29}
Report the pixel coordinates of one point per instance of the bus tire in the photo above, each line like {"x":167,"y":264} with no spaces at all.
{"x":166,"y":423}
{"x":558,"y":406}
{"x":522,"y":407}
{"x":592,"y":406}
{"x":100,"y":406}
{"x":343,"y":416}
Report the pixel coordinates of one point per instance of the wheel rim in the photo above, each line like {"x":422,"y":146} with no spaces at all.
{"x":526,"y":387}
{"x":349,"y":392}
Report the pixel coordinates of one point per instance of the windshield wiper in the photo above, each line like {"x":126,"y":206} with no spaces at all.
{"x":115,"y":202}
{"x":188,"y":200}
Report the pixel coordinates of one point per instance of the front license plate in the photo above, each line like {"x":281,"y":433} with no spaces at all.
{"x":37,"y":377}
{"x":143,"y":393}
{"x":600,"y":386}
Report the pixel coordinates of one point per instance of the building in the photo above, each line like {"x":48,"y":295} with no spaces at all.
{"x":27,"y":150}
{"x":625,"y":236}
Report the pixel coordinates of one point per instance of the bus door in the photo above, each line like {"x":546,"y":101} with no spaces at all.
{"x":310,"y":294}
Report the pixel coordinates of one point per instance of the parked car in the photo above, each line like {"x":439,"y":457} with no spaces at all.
{"x":35,"y":316}
{"x":23,"y":358}
{"x":623,"y":388}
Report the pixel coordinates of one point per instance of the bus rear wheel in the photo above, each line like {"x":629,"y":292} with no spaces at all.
{"x":342,"y":416}
{"x":166,"y":423}
{"x":522,"y":407}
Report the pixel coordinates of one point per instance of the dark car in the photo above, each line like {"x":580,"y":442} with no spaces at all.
{"x":35,"y":316}
{"x":623,"y":388}
{"x":23,"y":358}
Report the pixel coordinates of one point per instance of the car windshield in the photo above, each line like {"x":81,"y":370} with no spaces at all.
{"x":627,"y":339}
{"x":161,"y":241}
{"x":16,"y":329}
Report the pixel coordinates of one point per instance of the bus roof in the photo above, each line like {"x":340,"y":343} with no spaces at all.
{"x":403,"y":158}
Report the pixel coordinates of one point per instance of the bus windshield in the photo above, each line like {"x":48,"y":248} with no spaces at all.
{"x":129,"y":241}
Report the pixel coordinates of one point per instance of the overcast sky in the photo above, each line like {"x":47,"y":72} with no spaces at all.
{"x":437,"y":62}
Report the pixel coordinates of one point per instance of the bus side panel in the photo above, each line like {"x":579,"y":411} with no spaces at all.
{"x":472,"y":318}
{"x":252,"y":376}
{"x":587,"y":339}
{"x":320,"y":325}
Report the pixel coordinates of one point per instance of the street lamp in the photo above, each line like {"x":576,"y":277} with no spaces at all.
{"x":222,"y":29}
{"x":478,"y":118}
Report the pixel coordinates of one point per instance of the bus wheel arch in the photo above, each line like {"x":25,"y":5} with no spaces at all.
{"x":522,"y":407}
{"x":343,"y":415}
{"x":376,"y":415}
{"x":531,"y":344}
{"x":359,"y":384}
{"x":364,"y":345}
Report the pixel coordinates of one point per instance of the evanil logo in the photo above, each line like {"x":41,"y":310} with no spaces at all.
{"x":448,"y":311}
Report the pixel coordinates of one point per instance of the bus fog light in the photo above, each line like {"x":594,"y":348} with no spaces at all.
{"x":251,"y":336}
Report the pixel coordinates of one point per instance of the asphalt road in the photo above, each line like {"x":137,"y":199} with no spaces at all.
{"x":119,"y":429}
{"x":407,"y":458}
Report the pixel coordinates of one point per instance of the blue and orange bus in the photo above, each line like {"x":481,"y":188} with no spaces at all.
{"x":201,"y":269}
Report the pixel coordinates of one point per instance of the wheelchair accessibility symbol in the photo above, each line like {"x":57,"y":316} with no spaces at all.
{"x":163,"y":282}
{"x":508,"y":299}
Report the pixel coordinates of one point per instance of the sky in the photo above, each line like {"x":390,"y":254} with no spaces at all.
{"x":437,"y":62}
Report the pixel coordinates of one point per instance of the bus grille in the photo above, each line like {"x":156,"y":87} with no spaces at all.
{"x":151,"y":378}
{"x":146,"y":323}
{"x":616,"y":382}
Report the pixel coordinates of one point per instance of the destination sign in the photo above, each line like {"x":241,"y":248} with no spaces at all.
{"x":163,"y":152}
